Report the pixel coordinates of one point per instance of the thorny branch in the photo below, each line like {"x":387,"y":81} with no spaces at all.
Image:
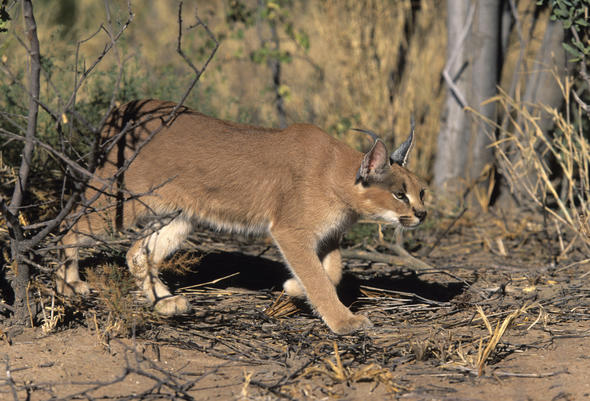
{"x":164,"y":383}
{"x":198,"y":72}
{"x":84,"y":173}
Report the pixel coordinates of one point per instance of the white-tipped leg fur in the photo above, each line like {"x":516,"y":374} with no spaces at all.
{"x":144,"y":257}
{"x":332,"y":264}
{"x":293,"y":288}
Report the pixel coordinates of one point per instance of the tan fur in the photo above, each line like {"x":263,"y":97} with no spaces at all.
{"x":298,"y":184}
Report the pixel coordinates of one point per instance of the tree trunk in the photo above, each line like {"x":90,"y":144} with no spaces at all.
{"x":472,"y":73}
{"x":20,"y":268}
{"x":450,"y":161}
{"x":541,"y":88}
{"x":34,"y":74}
{"x":484,"y":43}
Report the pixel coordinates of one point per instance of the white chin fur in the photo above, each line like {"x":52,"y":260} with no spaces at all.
{"x":390,"y":217}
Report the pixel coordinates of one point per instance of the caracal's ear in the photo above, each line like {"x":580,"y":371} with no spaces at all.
{"x":400,"y":155}
{"x":375,"y":164}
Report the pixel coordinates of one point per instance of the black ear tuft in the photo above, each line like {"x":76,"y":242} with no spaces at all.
{"x":400,"y":155}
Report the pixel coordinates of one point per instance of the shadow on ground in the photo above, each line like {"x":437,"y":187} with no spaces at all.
{"x":263,"y":274}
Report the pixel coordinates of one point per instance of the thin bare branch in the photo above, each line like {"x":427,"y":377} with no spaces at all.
{"x":198,"y":72}
{"x":87,"y":71}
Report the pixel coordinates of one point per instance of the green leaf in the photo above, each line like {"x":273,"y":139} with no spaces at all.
{"x":289,"y":30}
{"x":284,"y":57}
{"x":562,"y":14}
{"x":572,"y":50}
{"x":4,"y":19}
{"x":302,"y":38}
{"x":284,"y":91}
{"x":578,"y":44}
{"x":259,"y":56}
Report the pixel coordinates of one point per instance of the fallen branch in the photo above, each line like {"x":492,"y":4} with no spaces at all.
{"x":406,"y":260}
{"x":401,"y":252}
{"x":444,"y":233}
{"x":501,"y":374}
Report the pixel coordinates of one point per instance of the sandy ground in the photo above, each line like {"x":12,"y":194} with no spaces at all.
{"x":243,"y":341}
{"x":71,"y":362}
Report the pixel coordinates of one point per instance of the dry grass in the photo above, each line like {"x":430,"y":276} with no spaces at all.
{"x":120,"y":308}
{"x":359,"y":55}
{"x":281,"y":307}
{"x":548,"y":174}
{"x":338,"y":373}
{"x":362,"y":69}
{"x":52,"y":314}
{"x":180,"y":262}
{"x":494,"y":336}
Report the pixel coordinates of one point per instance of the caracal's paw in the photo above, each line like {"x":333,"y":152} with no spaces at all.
{"x":351,"y":324}
{"x":71,"y":288}
{"x":293,"y":288}
{"x":174,"y":305}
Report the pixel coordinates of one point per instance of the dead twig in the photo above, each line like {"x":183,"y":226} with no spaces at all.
{"x":9,"y":379}
{"x":445,"y":232}
{"x":495,"y":335}
{"x":404,"y":261}
{"x":501,"y":374}
{"x":411,"y":260}
{"x":281,"y":307}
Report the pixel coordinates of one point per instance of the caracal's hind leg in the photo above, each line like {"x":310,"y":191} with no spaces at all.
{"x":332,"y":263}
{"x":145,"y":256}
{"x":68,"y":280}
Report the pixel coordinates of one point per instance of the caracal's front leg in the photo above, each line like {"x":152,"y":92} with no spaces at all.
{"x":299,"y":252}
{"x":332,"y":263}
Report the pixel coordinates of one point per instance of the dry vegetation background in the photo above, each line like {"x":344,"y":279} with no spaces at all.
{"x":369,"y":64}
{"x":492,"y":286}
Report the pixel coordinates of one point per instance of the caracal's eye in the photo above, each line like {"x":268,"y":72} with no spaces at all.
{"x":400,"y":196}
{"x":422,"y":195}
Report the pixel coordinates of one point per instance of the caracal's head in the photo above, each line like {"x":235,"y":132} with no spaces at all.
{"x":389,"y":191}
